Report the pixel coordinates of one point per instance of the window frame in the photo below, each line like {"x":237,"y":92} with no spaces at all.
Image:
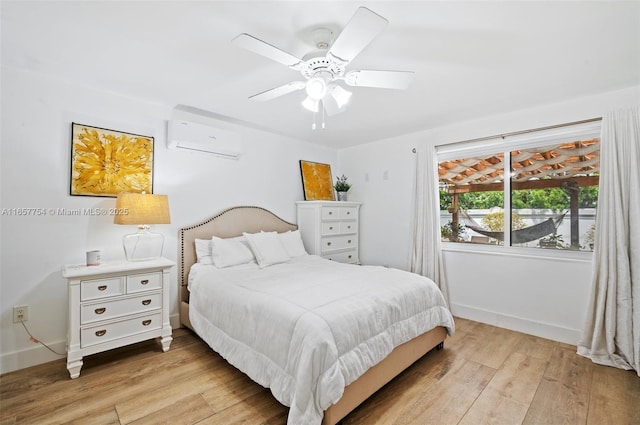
{"x":505,"y":144}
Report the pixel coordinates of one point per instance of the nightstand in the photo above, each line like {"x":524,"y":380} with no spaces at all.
{"x":116,"y":304}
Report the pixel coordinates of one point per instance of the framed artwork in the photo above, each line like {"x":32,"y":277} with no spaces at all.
{"x":317,"y":181}
{"x":107,"y":162}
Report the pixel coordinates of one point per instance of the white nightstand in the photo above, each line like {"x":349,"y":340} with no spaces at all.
{"x":116,"y":304}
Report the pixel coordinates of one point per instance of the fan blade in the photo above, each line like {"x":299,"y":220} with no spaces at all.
{"x":260,"y":47}
{"x":399,"y":80}
{"x":278,"y":91}
{"x":363,"y":27}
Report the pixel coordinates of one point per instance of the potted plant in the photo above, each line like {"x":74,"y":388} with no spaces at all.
{"x":452,"y":232}
{"x":342,"y":187}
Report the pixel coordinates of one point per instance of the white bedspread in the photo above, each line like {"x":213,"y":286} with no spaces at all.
{"x":309,"y":327}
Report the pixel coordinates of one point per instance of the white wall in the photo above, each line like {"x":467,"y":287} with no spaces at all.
{"x":541,"y":296}
{"x":35,"y":154}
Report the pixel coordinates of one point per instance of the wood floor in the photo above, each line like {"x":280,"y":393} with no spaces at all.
{"x":484,"y":375}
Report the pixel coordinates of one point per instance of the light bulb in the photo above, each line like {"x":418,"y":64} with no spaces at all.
{"x":316,"y":88}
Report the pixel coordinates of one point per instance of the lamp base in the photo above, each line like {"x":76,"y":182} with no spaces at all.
{"x":143,"y":245}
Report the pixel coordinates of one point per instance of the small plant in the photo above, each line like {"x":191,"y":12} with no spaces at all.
{"x":341,"y":184}
{"x":554,"y":240}
{"x":453,"y":232}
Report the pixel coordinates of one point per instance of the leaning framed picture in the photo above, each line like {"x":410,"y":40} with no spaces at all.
{"x":317,"y":182}
{"x":107,"y":162}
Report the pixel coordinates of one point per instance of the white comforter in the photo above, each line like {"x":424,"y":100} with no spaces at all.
{"x":309,"y":327}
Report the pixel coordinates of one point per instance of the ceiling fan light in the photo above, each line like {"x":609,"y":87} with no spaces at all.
{"x":316,"y":88}
{"x":311,"y":104}
{"x":341,"y":96}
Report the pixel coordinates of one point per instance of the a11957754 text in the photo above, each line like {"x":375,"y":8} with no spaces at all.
{"x":25,"y":211}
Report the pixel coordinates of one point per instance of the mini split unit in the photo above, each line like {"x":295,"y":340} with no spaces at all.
{"x":194,"y":137}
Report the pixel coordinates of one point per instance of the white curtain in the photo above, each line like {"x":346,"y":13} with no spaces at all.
{"x":612,"y":330}
{"x":426,"y":256}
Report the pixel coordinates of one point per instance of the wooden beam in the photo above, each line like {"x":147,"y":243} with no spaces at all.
{"x":529,"y":184}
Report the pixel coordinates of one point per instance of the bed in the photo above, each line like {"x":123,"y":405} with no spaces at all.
{"x":343,"y":367}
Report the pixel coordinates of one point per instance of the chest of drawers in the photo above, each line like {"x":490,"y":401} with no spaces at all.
{"x":116,"y":304}
{"x":330,"y":229}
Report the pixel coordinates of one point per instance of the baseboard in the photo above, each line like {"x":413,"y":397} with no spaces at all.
{"x":515,"y":323}
{"x":31,"y":356}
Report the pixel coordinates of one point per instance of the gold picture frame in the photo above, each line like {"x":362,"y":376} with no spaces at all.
{"x":107,"y":162}
{"x":317,"y":181}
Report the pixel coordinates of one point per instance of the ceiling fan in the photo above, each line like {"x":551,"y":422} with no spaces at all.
{"x":324,"y":68}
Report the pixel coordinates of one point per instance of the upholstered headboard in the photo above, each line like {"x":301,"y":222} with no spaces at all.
{"x":227,"y":224}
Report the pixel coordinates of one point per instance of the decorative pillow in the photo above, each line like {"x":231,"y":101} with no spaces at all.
{"x":203,"y":251}
{"x":230,"y":252}
{"x":292,"y":243}
{"x":267,"y":248}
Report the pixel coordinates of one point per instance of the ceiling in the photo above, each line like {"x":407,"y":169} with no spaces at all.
{"x":470,"y":59}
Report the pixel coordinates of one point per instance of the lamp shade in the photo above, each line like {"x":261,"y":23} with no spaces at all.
{"x":141,"y":208}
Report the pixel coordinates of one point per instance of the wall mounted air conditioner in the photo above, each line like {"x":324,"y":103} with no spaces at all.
{"x":195,"y":137}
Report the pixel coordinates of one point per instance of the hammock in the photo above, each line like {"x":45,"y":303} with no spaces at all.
{"x":527,"y":234}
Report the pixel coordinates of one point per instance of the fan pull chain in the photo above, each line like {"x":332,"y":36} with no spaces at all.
{"x":322,"y":106}
{"x":313,"y":124}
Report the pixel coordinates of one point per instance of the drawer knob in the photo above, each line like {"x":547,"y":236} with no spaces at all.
{"x":100,"y":310}
{"x":101,"y":333}
{"x":330,"y":227}
{"x":328,"y":243}
{"x":144,"y":282}
{"x":146,"y":322}
{"x":348,"y":227}
{"x":330,"y":212}
{"x":350,"y":256}
{"x":348,"y":212}
{"x":349,"y":241}
{"x":146,"y":302}
{"x":102,"y":288}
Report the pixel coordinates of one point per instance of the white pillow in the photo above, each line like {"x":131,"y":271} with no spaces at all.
{"x":267,"y":248}
{"x":292,"y":243}
{"x":203,"y":251}
{"x":230,"y":252}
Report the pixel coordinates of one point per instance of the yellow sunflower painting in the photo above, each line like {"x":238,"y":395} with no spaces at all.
{"x":107,"y":162}
{"x":316,"y":181}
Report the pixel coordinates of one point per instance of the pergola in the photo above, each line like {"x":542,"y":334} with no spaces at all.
{"x":569,"y":166}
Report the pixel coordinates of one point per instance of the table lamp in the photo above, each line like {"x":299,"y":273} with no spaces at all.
{"x":142,"y":210}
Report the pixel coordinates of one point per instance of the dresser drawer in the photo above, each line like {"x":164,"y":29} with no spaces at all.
{"x":348,"y":227}
{"x":330,"y":213}
{"x":100,"y":288}
{"x":343,"y":257}
{"x":330,"y":228}
{"x":333,"y":243}
{"x":348,"y":213}
{"x":143,"y":282}
{"x":108,"y":310}
{"x":115,"y":330}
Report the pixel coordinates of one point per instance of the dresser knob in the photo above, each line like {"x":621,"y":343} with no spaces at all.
{"x":350,"y":257}
{"x":349,"y":241}
{"x":102,"y":287}
{"x":146,"y":322}
{"x":330,"y":227}
{"x":330,"y":212}
{"x":328,"y":243}
{"x":100,"y":310}
{"x":144,"y":282}
{"x":348,"y":212}
{"x":101,"y":333}
{"x":146,"y":302}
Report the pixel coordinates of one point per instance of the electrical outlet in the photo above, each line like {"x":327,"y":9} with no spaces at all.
{"x":20,"y":313}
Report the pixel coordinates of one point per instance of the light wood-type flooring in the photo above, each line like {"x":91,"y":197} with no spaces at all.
{"x":484,"y":375}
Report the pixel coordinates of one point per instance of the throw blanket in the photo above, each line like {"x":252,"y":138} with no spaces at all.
{"x":309,"y":327}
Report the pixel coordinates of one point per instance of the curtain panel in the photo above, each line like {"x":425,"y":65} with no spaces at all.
{"x":611,"y":335}
{"x":426,"y":255}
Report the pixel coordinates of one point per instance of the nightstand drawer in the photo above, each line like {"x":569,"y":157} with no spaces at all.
{"x":107,"y":310}
{"x":343,"y":257}
{"x":330,"y":213}
{"x":115,"y":330}
{"x":100,"y":288}
{"x":143,"y":282}
{"x":333,"y":243}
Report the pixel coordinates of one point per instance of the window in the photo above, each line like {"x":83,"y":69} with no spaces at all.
{"x":548,"y":200}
